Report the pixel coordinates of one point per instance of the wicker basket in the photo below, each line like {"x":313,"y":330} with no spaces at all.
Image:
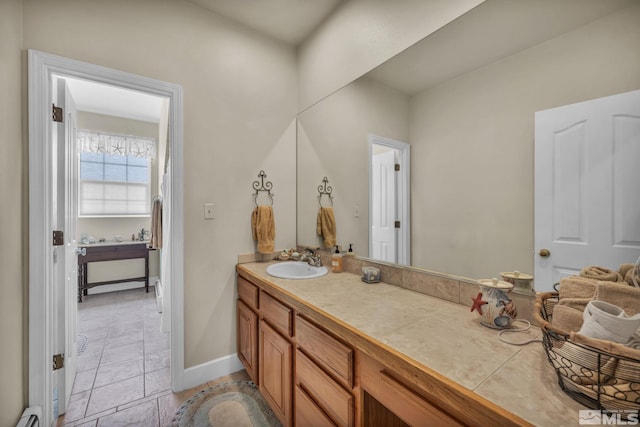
{"x":595,"y":378}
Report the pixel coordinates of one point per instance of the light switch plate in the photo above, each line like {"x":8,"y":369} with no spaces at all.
{"x":356,"y":211}
{"x":208,"y":211}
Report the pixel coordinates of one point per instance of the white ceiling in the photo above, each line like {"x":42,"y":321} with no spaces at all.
{"x":491,"y":31}
{"x":114,"y":101}
{"x":290,"y":21}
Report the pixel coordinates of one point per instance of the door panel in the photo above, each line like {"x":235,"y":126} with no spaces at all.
{"x":587,"y":189}
{"x":65,"y":259}
{"x":383,"y":214}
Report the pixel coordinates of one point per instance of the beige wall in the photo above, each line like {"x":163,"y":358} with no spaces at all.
{"x":239,"y":109}
{"x":13,"y":321}
{"x":332,"y":142}
{"x":472,"y":142}
{"x":362,"y":34}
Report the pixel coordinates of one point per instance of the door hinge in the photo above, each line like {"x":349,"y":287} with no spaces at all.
{"x":397,"y":224}
{"x":57,"y":114}
{"x":397,"y":167}
{"x":58,"y":238}
{"x":58,"y":361}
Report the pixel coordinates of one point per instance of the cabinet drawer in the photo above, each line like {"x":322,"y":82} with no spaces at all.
{"x":248,"y":292}
{"x":307,"y":412}
{"x":327,"y":393}
{"x":333,"y":355}
{"x":276,"y":314}
{"x":396,"y":395}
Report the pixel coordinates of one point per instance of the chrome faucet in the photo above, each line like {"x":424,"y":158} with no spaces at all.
{"x":310,"y":257}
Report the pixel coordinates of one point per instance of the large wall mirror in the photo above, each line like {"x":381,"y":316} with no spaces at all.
{"x":464,"y":99}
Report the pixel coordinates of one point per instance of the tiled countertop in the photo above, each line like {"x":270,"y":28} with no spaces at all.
{"x":443,"y":336}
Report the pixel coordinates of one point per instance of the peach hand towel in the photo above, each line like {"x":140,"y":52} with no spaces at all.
{"x":263,"y":227}
{"x":624,"y":296}
{"x":327,"y":226}
{"x":601,"y":273}
{"x":156,"y":224}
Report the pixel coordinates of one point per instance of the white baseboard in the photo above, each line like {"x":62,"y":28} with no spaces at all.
{"x":125,"y":286}
{"x":208,"y":371}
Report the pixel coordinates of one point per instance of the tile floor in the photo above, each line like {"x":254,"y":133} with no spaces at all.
{"x":123,"y":374}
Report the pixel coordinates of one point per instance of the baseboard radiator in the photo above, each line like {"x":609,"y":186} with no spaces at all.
{"x":30,"y":417}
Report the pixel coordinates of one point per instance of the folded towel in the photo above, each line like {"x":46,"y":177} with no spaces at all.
{"x":621,"y":295}
{"x":575,"y":303}
{"x":577,"y":287}
{"x":632,"y":277}
{"x":566,"y":319}
{"x":156,"y":224}
{"x":607,"y":346}
{"x":263,"y":228}
{"x":624,"y":268}
{"x":327,"y":226}
{"x":601,"y":273}
{"x":606,"y":321}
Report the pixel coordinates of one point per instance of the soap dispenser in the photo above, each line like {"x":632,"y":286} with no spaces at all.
{"x":350,"y":252}
{"x":336,"y":261}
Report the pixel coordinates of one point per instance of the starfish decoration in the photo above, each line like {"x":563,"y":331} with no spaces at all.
{"x":478,"y":303}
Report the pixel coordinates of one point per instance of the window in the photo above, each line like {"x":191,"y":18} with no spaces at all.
{"x":114,"y":185}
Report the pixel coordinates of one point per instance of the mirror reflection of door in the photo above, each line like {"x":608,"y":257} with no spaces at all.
{"x":388,"y":200}
{"x":586,"y":199}
{"x":384,"y":201}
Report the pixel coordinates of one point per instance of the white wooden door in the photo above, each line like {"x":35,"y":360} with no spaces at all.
{"x":383,"y":212}
{"x":66,"y":276}
{"x":587,"y":187}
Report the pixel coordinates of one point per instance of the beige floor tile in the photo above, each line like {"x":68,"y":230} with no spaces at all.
{"x":143,"y":415}
{"x":115,"y":372}
{"x":157,"y":381}
{"x":84,"y":380}
{"x":77,"y":407}
{"x":131,"y":351}
{"x":113,"y":395}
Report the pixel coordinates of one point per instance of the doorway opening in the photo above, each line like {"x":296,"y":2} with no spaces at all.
{"x":51,"y":307}
{"x":389,"y":194}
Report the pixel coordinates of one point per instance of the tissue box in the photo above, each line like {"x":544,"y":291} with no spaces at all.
{"x":370,"y":274}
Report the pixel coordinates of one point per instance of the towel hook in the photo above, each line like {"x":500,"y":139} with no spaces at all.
{"x":325,"y":190}
{"x":262,"y":186}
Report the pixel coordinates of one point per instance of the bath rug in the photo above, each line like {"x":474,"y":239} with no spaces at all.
{"x":234,"y":403}
{"x":83,"y":340}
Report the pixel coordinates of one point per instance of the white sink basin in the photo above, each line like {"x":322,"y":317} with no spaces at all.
{"x":295,"y":270}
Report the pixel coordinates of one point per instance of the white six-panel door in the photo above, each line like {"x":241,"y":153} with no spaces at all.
{"x":587,"y":187}
{"x":383,"y":208}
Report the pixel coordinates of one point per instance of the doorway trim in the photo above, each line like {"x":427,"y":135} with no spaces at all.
{"x":41,"y":67}
{"x":403,"y":194}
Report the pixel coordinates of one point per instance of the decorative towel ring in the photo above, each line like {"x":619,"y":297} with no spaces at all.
{"x":262,"y":186}
{"x":325,"y":190}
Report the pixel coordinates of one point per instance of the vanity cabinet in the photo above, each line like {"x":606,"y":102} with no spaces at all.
{"x":247,"y":327}
{"x":391,"y":392}
{"x":276,"y":372}
{"x":324,"y":376}
{"x":315,"y":370}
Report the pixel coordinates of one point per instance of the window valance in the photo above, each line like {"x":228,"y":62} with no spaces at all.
{"x":116,"y":145}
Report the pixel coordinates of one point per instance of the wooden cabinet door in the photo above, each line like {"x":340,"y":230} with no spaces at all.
{"x":248,"y":340}
{"x":276,"y":372}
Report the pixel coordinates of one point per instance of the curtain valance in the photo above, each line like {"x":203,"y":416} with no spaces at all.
{"x":116,"y":145}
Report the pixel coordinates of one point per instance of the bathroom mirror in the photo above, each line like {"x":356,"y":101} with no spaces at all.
{"x":464,"y":99}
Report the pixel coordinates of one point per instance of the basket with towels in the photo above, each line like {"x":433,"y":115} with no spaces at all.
{"x":591,"y":334}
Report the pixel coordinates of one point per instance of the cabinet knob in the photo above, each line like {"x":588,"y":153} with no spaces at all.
{"x":544,"y":253}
